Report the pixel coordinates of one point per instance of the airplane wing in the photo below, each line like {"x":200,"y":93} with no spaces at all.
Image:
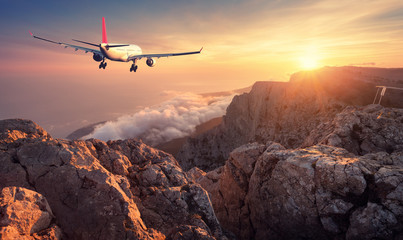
{"x":66,"y":45}
{"x":132,"y":57}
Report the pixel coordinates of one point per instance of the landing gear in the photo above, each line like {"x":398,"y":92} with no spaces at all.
{"x":133,"y":68}
{"x":102,"y":64}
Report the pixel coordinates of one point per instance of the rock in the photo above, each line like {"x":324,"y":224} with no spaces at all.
{"x":87,"y":200}
{"x":228,"y":187}
{"x":372,"y":222}
{"x":196,"y":173}
{"x":388,"y":181}
{"x":15,"y":129}
{"x":190,"y":232}
{"x":319,"y":192}
{"x":11,"y":172}
{"x":289,"y":112}
{"x":362,"y":130}
{"x":288,"y":194}
{"x":114,"y":190}
{"x":244,"y":157}
{"x":26,"y":213}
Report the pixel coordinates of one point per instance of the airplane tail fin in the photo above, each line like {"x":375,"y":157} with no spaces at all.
{"x":104,"y":37}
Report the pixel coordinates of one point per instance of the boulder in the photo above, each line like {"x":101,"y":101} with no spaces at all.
{"x":26,"y":215}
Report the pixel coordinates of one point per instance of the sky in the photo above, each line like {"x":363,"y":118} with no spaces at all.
{"x":244,"y":42}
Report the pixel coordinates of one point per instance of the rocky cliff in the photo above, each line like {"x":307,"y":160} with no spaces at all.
{"x":265,"y":191}
{"x":289,"y":112}
{"x":54,"y":189}
{"x":312,"y":158}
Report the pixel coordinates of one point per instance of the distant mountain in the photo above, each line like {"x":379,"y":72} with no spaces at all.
{"x":84,"y":131}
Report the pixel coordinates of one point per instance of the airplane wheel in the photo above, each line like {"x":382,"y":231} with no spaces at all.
{"x":100,"y":65}
{"x":135,"y":68}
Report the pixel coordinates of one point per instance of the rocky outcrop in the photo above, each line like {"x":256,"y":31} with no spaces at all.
{"x":229,"y":192}
{"x":287,"y":112}
{"x":362,"y":130}
{"x":319,"y":192}
{"x":98,"y":190}
{"x":26,"y":213}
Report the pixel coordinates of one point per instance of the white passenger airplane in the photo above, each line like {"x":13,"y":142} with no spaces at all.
{"x":116,"y":52}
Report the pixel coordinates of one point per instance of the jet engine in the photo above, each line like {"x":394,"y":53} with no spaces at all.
{"x":97,"y":57}
{"x":150,"y":62}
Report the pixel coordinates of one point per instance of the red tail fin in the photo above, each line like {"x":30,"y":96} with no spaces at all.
{"x":104,"y":37}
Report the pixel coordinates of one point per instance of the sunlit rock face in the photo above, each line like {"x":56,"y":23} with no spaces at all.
{"x":362,"y":130}
{"x":319,"y":192}
{"x":26,"y":213}
{"x":288,"y":112}
{"x":96,"y":190}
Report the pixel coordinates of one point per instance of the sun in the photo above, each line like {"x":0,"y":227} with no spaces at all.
{"x":309,"y":62}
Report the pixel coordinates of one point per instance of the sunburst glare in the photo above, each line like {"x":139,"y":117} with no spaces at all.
{"x":310,"y":59}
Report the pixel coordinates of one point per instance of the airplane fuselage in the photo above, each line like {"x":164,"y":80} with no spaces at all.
{"x":120,"y":54}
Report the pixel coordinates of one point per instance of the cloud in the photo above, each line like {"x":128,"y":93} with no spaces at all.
{"x":172,"y":119}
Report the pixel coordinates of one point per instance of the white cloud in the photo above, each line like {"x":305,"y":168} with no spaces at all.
{"x":172,"y":119}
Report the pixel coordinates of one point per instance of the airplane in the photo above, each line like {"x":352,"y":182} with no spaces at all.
{"x":116,"y":52}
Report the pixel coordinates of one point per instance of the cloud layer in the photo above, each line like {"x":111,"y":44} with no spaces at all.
{"x":172,"y":119}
